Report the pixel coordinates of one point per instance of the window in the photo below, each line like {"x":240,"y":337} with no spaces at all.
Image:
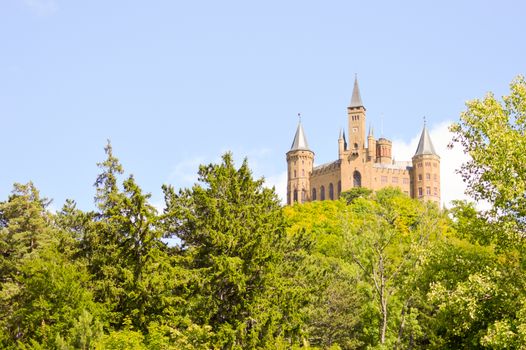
{"x":331,"y":191}
{"x":435,"y":177}
{"x":420,"y":191}
{"x":357,"y":179}
{"x":384,"y":179}
{"x":419,"y":165}
{"x":428,"y":191}
{"x":435,"y":164}
{"x":313,"y":194}
{"x":428,"y":164}
{"x":303,"y":196}
{"x":435,"y":190}
{"x":322,"y":193}
{"x":428,"y":176}
{"x":339,"y":188}
{"x":355,"y":146}
{"x":294,"y":173}
{"x":419,"y":177}
{"x":302,"y":172}
{"x":295,"y":196}
{"x":394,"y":180}
{"x":405,"y":181}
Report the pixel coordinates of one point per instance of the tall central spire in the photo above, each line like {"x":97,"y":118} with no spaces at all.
{"x":356,"y":99}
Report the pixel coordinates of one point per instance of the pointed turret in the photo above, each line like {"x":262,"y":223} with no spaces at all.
{"x":425,"y":146}
{"x":342,"y":143}
{"x":300,"y":140}
{"x":356,"y":99}
{"x":300,"y":160}
{"x":371,"y":145}
{"x":426,"y":170}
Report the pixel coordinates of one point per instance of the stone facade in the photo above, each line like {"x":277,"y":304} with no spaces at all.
{"x":362,"y":162}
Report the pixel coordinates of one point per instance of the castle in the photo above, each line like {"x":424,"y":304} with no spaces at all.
{"x":363,"y":162}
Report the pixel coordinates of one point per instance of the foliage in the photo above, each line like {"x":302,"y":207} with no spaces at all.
{"x":233,"y":239}
{"x":492,"y":133}
{"x":374,"y":270}
{"x":356,"y":192}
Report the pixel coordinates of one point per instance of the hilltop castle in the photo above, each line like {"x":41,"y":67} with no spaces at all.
{"x":363,"y":162}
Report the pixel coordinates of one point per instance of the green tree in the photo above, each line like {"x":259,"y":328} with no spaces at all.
{"x":492,"y":133}
{"x":387,"y":236}
{"x":42,"y":292}
{"x":233,"y":240}
{"x":24,"y":227}
{"x":333,"y":313}
{"x":122,"y":245}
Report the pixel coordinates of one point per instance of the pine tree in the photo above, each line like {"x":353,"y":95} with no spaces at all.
{"x":232,"y":236}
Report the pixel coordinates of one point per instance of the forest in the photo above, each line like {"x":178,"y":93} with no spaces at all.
{"x":372,"y":270}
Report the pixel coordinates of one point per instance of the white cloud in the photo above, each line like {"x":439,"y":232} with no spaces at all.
{"x":42,"y":7}
{"x":450,"y":160}
{"x":279,"y":181}
{"x":184,"y":174}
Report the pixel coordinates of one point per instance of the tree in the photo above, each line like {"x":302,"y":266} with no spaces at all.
{"x":24,"y":226}
{"x":493,"y":134}
{"x":121,"y":243}
{"x":333,"y":313}
{"x":42,"y":292}
{"x":233,"y":241}
{"x":386,"y":238}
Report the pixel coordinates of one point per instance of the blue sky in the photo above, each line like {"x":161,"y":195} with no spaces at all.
{"x":174,"y":84}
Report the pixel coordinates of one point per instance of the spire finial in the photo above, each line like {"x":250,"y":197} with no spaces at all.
{"x":425,"y":121}
{"x":299,"y":117}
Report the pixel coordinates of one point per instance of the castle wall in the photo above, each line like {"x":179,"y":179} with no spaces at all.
{"x":391,"y":177}
{"x":324,"y":176}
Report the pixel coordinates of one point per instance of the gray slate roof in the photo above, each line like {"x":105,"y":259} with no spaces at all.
{"x":300,"y":140}
{"x":356,"y":99}
{"x":425,"y":146}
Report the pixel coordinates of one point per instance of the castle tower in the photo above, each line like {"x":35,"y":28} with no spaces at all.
{"x":356,"y":114}
{"x":426,"y":170}
{"x":383,"y":151}
{"x":300,"y":161}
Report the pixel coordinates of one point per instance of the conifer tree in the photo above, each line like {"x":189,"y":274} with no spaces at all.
{"x":232,"y":236}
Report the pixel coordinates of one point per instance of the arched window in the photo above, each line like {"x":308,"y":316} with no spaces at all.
{"x":331,"y":191}
{"x":355,"y":146}
{"x":357,"y":179}
{"x":339,"y":188}
{"x":322,"y":193}
{"x":313,"y":194}
{"x":295,"y":196}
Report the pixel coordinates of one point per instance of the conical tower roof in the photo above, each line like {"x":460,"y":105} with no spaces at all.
{"x":425,"y":146}
{"x":300,"y":140}
{"x":356,"y":99}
